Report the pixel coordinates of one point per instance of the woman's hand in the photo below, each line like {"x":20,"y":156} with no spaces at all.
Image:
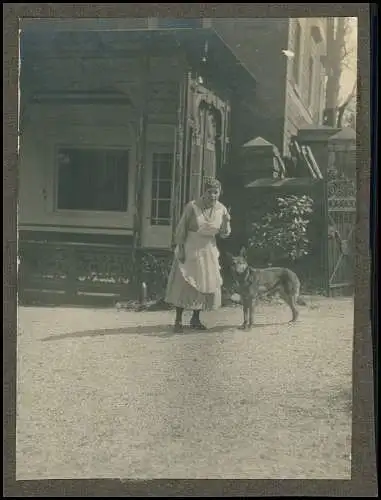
{"x":225,"y":226}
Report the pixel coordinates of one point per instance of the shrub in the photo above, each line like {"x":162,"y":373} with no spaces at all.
{"x":282,"y":233}
{"x":155,"y":271}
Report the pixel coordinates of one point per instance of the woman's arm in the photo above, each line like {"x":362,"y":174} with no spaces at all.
{"x":182,"y":232}
{"x":183,"y":225}
{"x":225,"y":228}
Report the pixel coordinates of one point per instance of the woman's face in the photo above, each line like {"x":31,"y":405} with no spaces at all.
{"x":211,"y":196}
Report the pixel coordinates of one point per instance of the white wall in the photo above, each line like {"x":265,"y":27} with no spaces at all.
{"x":46,"y":127}
{"x":70,"y":64}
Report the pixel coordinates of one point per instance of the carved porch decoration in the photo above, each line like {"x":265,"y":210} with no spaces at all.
{"x":211,"y":127}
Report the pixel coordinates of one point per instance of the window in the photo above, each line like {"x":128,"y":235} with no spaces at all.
{"x":297,"y":52}
{"x":310,"y":81}
{"x":92,"y":179}
{"x":161,"y":189}
{"x":179,"y":23}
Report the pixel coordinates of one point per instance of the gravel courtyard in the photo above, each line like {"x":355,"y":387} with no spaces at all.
{"x":107,"y":393}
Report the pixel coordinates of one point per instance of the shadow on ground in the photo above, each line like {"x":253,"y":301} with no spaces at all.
{"x":163,"y":331}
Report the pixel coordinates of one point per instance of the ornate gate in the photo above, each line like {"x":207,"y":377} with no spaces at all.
{"x":341,"y":200}
{"x":341,"y":225}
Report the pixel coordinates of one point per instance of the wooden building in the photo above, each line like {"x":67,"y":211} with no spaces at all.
{"x":121,"y":119}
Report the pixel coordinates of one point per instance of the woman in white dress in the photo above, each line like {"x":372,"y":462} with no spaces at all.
{"x":195,"y":280}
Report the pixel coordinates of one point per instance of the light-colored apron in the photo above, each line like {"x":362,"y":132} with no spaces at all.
{"x":201,"y":268}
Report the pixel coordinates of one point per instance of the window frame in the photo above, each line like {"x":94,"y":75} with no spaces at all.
{"x":159,"y":149}
{"x":89,"y":146}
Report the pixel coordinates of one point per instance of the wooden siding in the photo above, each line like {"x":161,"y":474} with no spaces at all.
{"x":298,"y":111}
{"x":49,"y":119}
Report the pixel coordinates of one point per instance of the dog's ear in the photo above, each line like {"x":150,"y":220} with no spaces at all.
{"x":242,"y":253}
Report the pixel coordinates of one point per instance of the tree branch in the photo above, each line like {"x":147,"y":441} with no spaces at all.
{"x":341,"y":109}
{"x":350,"y":96}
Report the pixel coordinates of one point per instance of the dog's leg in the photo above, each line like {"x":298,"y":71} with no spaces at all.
{"x":291,"y":302}
{"x":245,"y":314}
{"x":295,"y":312}
{"x":251,"y":312}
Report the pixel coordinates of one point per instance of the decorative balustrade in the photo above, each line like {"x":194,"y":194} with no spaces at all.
{"x":69,"y":271}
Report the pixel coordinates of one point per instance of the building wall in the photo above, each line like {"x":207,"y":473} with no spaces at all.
{"x":48,"y":124}
{"x":76,"y":125}
{"x":281,"y":105}
{"x":258,"y":44}
{"x":94,"y":74}
{"x":299,"y":111}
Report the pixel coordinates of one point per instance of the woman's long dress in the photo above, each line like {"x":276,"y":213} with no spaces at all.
{"x":196,"y":283}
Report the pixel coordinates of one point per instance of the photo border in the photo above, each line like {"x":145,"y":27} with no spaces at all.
{"x":364,"y":472}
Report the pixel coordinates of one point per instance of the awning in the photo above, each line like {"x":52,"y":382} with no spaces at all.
{"x":56,"y":37}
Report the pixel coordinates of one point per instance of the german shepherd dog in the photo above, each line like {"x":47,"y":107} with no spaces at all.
{"x":251,"y":282}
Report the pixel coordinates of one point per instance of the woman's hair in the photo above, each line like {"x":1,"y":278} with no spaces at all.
{"x":212,"y":183}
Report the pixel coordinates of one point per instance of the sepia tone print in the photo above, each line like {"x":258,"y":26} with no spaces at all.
{"x":155,"y":154}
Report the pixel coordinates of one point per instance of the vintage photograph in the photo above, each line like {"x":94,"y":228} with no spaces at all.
{"x":186,"y":216}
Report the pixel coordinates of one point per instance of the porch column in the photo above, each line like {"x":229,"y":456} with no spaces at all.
{"x":141,"y":141}
{"x":179,"y":160}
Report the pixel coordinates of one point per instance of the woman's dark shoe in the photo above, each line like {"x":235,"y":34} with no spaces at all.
{"x":197,"y":325}
{"x":178,"y":328}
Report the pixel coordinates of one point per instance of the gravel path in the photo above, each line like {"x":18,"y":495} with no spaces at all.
{"x":101,"y":397}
